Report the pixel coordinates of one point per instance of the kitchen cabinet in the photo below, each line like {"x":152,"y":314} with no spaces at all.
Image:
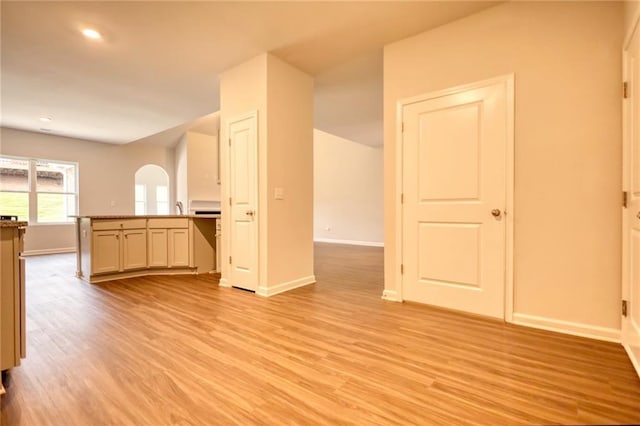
{"x":178,"y":242}
{"x":114,"y":247}
{"x":12,"y":294}
{"x":158,"y":248}
{"x":119,"y":246}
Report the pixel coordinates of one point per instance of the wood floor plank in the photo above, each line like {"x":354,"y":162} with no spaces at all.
{"x":180,"y":350}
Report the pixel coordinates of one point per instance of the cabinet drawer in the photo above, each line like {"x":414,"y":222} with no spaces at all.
{"x":169,"y":222}
{"x":103,"y":225}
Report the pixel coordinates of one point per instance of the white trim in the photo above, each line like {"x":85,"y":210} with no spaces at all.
{"x":286,"y":286}
{"x":509,"y":81}
{"x":634,"y":360}
{"x":634,"y":26}
{"x":49,"y":251}
{"x":224,"y":283}
{"x":349,"y":242}
{"x":391,"y":296}
{"x":568,"y":327}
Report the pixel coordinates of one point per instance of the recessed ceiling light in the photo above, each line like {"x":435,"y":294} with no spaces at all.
{"x":46,"y":119}
{"x":91,"y":33}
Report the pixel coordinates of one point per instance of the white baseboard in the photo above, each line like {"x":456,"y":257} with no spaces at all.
{"x":634,"y":351}
{"x":634,"y":357}
{"x":281,"y":288}
{"x":49,"y":251}
{"x":349,"y":242}
{"x":567,"y":327}
{"x":391,"y":295}
{"x":224,"y":283}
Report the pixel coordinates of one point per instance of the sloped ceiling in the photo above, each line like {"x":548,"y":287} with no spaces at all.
{"x":156,"y":67}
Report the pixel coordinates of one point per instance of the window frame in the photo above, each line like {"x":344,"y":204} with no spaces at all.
{"x":32,"y":179}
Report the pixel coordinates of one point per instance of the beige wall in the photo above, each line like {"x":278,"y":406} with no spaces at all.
{"x":180,"y":156}
{"x":567,"y":63}
{"x":631,"y":12}
{"x":283,"y":98}
{"x":106,"y":171}
{"x":244,"y":89}
{"x":290,"y":167}
{"x":347,"y":188}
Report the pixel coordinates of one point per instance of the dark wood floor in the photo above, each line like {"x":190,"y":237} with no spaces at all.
{"x":181,"y":350}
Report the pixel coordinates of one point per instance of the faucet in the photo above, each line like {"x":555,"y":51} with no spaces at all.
{"x":180,"y":208}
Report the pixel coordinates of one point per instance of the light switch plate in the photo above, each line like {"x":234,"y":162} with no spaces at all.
{"x":279,"y":193}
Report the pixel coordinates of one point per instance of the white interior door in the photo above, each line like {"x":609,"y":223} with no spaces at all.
{"x":455,"y":146}
{"x":631,"y":214}
{"x":243,"y":191}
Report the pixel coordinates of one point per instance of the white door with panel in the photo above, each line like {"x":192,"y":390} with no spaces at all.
{"x":454,"y":183}
{"x":243,"y":193}
{"x":631,"y":214}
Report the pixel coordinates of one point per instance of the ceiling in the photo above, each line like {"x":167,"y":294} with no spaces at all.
{"x":157,"y":66}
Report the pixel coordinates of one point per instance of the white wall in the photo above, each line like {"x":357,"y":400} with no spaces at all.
{"x":566,"y":57}
{"x":106,"y":177}
{"x":347,"y":188}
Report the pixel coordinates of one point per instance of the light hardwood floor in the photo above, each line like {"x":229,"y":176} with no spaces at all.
{"x":181,"y":350}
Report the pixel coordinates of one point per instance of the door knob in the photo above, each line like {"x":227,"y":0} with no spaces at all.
{"x":250,"y":213}
{"x":496,"y":212}
{"x":638,"y":215}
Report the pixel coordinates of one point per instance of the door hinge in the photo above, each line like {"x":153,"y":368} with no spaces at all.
{"x":402,"y":268}
{"x":401,"y":198}
{"x":625,"y":89}
{"x":625,"y":308}
{"x":229,"y":141}
{"x":229,"y":200}
{"x":402,"y":127}
{"x":625,"y":199}
{"x":229,"y":260}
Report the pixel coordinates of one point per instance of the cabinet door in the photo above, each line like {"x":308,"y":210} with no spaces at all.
{"x":178,"y":247}
{"x":134,"y":246}
{"x":106,"y":252}
{"x":158,"y":252}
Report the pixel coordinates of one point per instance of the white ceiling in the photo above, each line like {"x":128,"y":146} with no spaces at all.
{"x":157,"y":66}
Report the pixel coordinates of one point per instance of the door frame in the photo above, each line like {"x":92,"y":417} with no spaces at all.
{"x":225,"y":126}
{"x":509,"y":81}
{"x":627,"y":136}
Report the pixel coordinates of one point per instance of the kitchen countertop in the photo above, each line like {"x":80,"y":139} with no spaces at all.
{"x":12,"y":224}
{"x":150,"y":216}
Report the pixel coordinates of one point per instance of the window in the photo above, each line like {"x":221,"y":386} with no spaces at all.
{"x":162,"y":199}
{"x":141,"y":199}
{"x":151,"y":190}
{"x":38,"y":191}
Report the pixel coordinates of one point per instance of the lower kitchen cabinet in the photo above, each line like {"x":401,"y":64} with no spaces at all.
{"x":12,"y":295}
{"x":134,"y":249}
{"x":106,"y":252}
{"x":120,"y":249}
{"x":112,"y":247}
{"x":178,"y":240}
{"x":158,"y":248}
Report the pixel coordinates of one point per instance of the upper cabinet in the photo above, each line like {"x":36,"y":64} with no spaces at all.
{"x":197,"y":163}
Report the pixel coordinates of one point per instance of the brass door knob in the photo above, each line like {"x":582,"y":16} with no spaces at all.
{"x":638,"y":215}
{"x":250,"y":213}
{"x":496,"y":212}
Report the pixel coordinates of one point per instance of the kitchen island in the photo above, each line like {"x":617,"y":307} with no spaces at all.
{"x":12,"y":295}
{"x":121,"y":246}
